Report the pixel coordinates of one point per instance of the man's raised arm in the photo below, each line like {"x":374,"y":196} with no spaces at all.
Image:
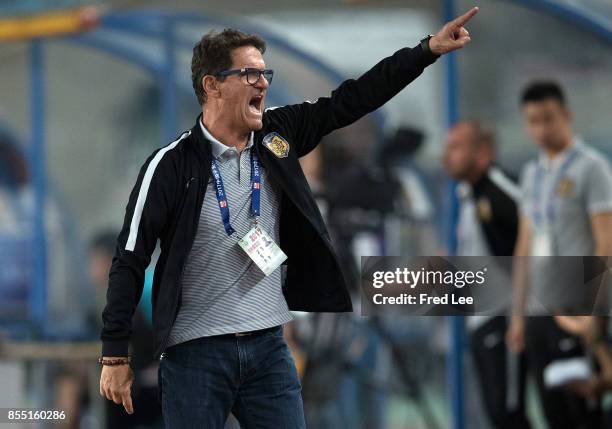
{"x":355,"y":98}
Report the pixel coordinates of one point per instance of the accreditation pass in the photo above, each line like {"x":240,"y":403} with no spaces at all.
{"x":262,"y":250}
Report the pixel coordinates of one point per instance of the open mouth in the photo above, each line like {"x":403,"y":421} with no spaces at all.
{"x":256,"y":104}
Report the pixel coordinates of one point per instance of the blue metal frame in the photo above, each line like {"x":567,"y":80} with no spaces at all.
{"x":454,"y":362}
{"x":37,"y":158}
{"x":168,"y":104}
{"x":572,"y":14}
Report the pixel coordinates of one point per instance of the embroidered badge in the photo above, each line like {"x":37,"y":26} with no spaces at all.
{"x":565,"y":188}
{"x":276,"y":144}
{"x":485,"y":212}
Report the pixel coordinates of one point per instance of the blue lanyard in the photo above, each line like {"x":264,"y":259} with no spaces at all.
{"x":538,"y":212}
{"x":222,"y":196}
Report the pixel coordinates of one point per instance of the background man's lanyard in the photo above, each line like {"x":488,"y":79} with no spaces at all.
{"x":538,"y":212}
{"x":222,"y":196}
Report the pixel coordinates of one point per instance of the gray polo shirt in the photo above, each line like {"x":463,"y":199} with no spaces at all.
{"x":584,"y":189}
{"x":576,"y":184}
{"x":223,"y":290}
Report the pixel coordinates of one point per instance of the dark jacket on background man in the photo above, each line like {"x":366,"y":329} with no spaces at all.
{"x":496,"y":191}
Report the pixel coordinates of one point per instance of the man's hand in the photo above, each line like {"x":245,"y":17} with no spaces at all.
{"x":589,"y":328}
{"x":515,"y":336}
{"x":589,"y":388}
{"x":453,"y":35}
{"x":116,"y":385}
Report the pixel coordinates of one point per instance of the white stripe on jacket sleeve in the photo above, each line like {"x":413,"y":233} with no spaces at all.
{"x":506,"y":184}
{"x":144,"y":189}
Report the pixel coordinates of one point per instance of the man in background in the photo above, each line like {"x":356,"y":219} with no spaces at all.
{"x":487,"y":226}
{"x":566,"y":210}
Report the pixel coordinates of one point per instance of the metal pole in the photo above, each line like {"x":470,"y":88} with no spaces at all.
{"x":456,"y":323}
{"x":168,"y":103}
{"x":38,"y":296}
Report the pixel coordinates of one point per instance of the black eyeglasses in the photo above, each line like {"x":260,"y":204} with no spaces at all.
{"x":252,"y":75}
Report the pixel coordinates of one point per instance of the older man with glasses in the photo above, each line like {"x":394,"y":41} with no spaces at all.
{"x":218,"y":300}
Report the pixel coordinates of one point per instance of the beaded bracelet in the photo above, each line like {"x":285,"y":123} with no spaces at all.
{"x":114,"y":362}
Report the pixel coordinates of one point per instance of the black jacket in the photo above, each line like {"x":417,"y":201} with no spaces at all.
{"x":495,"y":195}
{"x":166,"y":201}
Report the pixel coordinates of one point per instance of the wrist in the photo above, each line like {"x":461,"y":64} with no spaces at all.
{"x":429,"y":47}
{"x":517,"y":319}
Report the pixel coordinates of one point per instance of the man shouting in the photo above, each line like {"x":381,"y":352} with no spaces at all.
{"x":229,"y":203}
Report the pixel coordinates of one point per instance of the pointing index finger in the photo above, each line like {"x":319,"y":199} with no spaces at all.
{"x":463,"y":19}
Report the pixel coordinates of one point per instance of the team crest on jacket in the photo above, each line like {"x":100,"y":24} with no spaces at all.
{"x":485,"y":212}
{"x":277,"y":145}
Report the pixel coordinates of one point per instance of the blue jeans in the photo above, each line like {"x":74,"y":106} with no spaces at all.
{"x":253,"y":376}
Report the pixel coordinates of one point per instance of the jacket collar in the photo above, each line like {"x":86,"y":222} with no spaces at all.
{"x":465,"y":189}
{"x":200,"y":144}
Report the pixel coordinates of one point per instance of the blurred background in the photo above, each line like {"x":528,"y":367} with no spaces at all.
{"x":89,"y":89}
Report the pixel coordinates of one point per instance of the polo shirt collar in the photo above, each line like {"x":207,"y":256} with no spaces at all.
{"x":218,"y":148}
{"x":463,"y":190}
{"x":553,"y":164}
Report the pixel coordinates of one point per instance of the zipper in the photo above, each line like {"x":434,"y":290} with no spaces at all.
{"x":167,"y":337}
{"x":165,"y":340}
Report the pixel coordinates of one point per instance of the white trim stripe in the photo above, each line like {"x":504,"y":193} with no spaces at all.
{"x":500,"y":179}
{"x":144,"y":189}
